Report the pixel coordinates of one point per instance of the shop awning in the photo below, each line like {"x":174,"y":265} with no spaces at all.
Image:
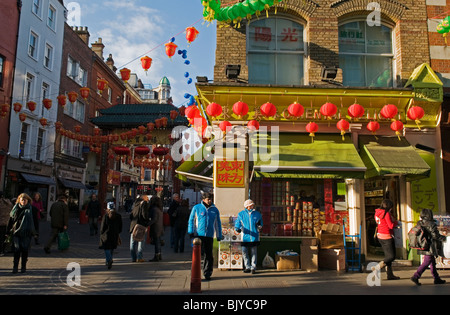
{"x":199,"y":167}
{"x":295,"y":155}
{"x":391,"y":156}
{"x":71,"y":183}
{"x":37,"y":179}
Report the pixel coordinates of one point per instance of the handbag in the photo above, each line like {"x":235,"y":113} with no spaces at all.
{"x":139,"y":232}
{"x":63,"y":240}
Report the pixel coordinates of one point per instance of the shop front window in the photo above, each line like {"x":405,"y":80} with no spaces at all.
{"x":275,"y":52}
{"x":366,"y":54}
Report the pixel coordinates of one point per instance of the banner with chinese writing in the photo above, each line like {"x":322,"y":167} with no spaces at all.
{"x":229,"y":173}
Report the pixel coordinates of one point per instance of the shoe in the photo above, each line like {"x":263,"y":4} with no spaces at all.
{"x":415,"y":280}
{"x":390,"y":274}
{"x":439,"y":281}
{"x":141,"y":260}
{"x":110,"y":264}
{"x":207,"y":278}
{"x":253,"y":271}
{"x":247,"y":270}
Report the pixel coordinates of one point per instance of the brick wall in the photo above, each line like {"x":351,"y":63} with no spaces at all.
{"x":321,"y":20}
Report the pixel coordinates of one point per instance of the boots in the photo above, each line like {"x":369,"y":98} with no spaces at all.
{"x":24,"y":262}
{"x":390,"y":274}
{"x":16,"y":262}
{"x":157,"y":257}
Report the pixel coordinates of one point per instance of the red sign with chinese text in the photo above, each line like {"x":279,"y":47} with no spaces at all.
{"x":229,"y":173}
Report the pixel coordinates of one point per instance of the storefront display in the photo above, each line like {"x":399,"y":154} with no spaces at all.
{"x":230,"y":249}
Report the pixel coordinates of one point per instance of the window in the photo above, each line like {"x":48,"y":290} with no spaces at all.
{"x":75,"y":110}
{"x":109,"y":95}
{"x":365,"y":54}
{"x":275,"y":51}
{"x":32,"y":45}
{"x":51,"y":17}
{"x":48,"y":56}
{"x":29,"y":84}
{"x":39,"y":143}
{"x":2,"y":63}
{"x":23,"y":139}
{"x":71,"y":147}
{"x":76,"y":72}
{"x":36,"y":7}
{"x":45,"y":94}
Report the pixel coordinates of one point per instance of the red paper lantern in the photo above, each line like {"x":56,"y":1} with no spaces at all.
{"x":22,"y":117}
{"x":163,"y":121}
{"x":192,"y":111}
{"x":343,"y":125}
{"x":121,"y":150}
{"x":170,"y":49}
{"x":253,"y":125}
{"x":77,"y":128}
{"x":225,"y":126}
{"x":150,"y":126}
{"x":240,"y":108}
{"x":72,"y":96}
{"x":388,"y":111}
{"x":191,"y":34}
{"x":96,"y":131}
{"x":182,"y":110}
{"x":295,"y":110}
{"x":214,"y":110}
{"x":85,"y":91}
{"x":416,"y":113}
{"x":101,"y":85}
{"x":312,"y":128}
{"x":268,"y":109}
{"x":200,"y":124}
{"x":142,"y":130}
{"x":31,"y":105}
{"x":47,"y":103}
{"x":173,"y":114}
{"x":125,"y":73}
{"x":160,"y":151}
{"x":142,"y":150}
{"x":58,"y":125}
{"x":43,"y":122}
{"x":355,"y":111}
{"x":146,"y":63}
{"x":5,"y":108}
{"x":373,"y":126}
{"x":17,"y":107}
{"x":328,"y":110}
{"x":397,"y":126}
{"x":62,"y":100}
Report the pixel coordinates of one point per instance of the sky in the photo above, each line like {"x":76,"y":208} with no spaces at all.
{"x":131,"y":29}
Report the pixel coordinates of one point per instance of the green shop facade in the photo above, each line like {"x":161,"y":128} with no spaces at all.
{"x":301,"y":180}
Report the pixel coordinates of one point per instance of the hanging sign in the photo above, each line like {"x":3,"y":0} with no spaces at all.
{"x":229,"y":173}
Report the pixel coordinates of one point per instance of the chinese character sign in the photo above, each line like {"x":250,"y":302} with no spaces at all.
{"x":229,"y":173}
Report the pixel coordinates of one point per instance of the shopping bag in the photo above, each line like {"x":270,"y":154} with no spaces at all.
{"x":139,"y":232}
{"x":268,"y":261}
{"x":63,"y":240}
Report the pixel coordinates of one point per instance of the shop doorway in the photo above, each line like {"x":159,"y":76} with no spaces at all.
{"x":375,"y":190}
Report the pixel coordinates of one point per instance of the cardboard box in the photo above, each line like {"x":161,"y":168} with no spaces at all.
{"x":287,"y":262}
{"x":333,"y":259}
{"x":331,"y":236}
{"x":309,"y":258}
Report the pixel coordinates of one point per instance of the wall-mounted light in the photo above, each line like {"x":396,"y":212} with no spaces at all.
{"x":232,"y":71}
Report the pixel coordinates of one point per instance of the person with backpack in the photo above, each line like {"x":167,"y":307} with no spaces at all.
{"x":434,"y":240}
{"x":385,"y":226}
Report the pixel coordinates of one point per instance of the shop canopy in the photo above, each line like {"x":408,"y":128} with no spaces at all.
{"x":37,"y":179}
{"x":199,"y":166}
{"x":71,"y":183}
{"x":294,"y":155}
{"x":391,"y":156}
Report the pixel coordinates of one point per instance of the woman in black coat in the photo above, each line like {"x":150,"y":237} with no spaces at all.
{"x":110,"y":230}
{"x":435,"y":240}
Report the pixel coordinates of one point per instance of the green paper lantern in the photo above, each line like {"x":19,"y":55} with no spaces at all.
{"x":256,"y":5}
{"x":440,"y":29}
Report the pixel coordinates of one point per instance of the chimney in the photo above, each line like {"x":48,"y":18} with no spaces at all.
{"x":110,"y":63}
{"x":97,"y":47}
{"x":83,"y":33}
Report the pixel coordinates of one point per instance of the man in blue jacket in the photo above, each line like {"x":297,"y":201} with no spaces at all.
{"x":250,"y":222}
{"x":203,"y":222}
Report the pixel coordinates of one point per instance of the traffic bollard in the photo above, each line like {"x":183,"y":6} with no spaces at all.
{"x":196,"y":278}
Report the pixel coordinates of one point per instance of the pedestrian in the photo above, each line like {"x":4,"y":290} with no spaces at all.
{"x":21,"y":229}
{"x":249,"y":221}
{"x":5,"y":210}
{"x":139,"y":215}
{"x":385,"y":226}
{"x":156,"y":225}
{"x":204,"y":220}
{"x":59,"y":214}
{"x":38,"y":204}
{"x":181,"y":225}
{"x":110,"y":230}
{"x":93,"y":213}
{"x":173,"y":216}
{"x":434,"y":240}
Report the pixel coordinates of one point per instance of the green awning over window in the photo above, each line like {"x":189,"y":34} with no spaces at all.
{"x":199,"y":167}
{"x":391,"y":156}
{"x":293,"y":155}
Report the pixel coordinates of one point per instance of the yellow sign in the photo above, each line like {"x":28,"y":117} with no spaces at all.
{"x":229,"y":173}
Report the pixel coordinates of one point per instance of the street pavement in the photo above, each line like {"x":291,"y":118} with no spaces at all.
{"x":56,"y":274}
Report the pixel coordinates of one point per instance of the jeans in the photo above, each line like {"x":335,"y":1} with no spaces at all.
{"x":139,"y":246}
{"x":428,"y":260}
{"x":249,"y":253}
{"x":109,"y":254}
{"x":93,"y":225}
{"x":388,"y":247}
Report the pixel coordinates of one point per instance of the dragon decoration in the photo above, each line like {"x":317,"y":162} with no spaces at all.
{"x":237,"y":12}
